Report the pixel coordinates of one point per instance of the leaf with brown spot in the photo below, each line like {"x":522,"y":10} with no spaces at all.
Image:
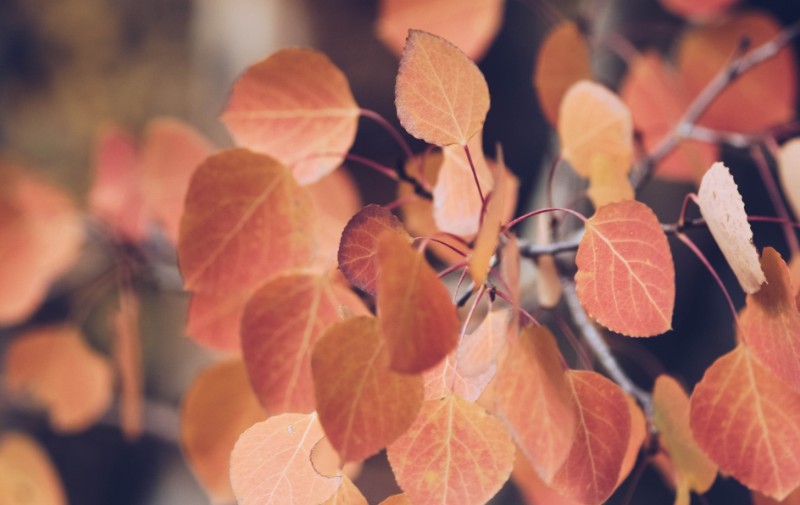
{"x":27,"y":476}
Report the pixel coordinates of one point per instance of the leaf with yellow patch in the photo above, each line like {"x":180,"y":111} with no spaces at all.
{"x":27,"y":476}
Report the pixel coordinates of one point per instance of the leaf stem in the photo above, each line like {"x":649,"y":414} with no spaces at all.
{"x":396,"y":135}
{"x":378,"y":167}
{"x":475,"y":176}
{"x":757,"y":152}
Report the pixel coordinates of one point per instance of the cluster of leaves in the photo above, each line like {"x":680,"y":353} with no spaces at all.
{"x":343,"y":337}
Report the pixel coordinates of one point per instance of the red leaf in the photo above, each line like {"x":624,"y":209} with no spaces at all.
{"x":358,"y":247}
{"x":282,"y":322}
{"x":748,"y":422}
{"x":363,"y":405}
{"x":214,"y":320}
{"x":431,"y":110}
{"x":455,"y":452}
{"x":626,"y":278}
{"x":417,"y":317}
{"x":296,"y":106}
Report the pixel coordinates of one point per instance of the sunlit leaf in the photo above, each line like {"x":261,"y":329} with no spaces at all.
{"x":759,"y":98}
{"x":607,"y":184}
{"x":40,"y":238}
{"x":447,"y":377}
{"x":336,"y":200}
{"x":694,"y":470}
{"x":363,"y":405}
{"x":282,"y":322}
{"x":723,"y":209}
{"x":218,"y":406}
{"x":60,"y":371}
{"x":479,"y":350}
{"x":359,"y":245}
{"x":626,"y":277}
{"x":128,"y":358}
{"x":455,"y":452}
{"x":295,"y":105}
{"x":27,"y":476}
{"x":771,"y":321}
{"x":594,"y":123}
{"x":748,"y":422}
{"x":534,"y":400}
{"x":789,"y":172}
{"x":441,"y":95}
{"x":417,"y":317}
{"x":563,"y":60}
{"x":469,"y":25}
{"x":171,"y":151}
{"x":591,"y":471}
{"x":271,"y":463}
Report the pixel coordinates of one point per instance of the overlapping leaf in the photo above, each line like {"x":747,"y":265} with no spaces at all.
{"x":214,"y":319}
{"x":359,"y":244}
{"x":531,"y":486}
{"x":281,"y":323}
{"x":271,"y":463}
{"x":489,"y":233}
{"x":454,"y":453}
{"x":417,"y":317}
{"x":723,"y":209}
{"x":534,"y":400}
{"x":448,"y":377}
{"x":626,"y":277}
{"x":607,"y":184}
{"x":637,"y":438}
{"x":27,"y":476}
{"x":218,"y":406}
{"x":336,"y":200}
{"x":347,"y":494}
{"x":441,"y":95}
{"x":363,"y":405}
{"x":479,"y":350}
{"x":295,"y":105}
{"x":748,"y":422}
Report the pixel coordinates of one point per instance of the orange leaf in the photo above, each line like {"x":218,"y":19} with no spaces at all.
{"x":59,"y":370}
{"x":336,"y":200}
{"x":214,"y":320}
{"x":363,"y":405}
{"x":417,"y":317}
{"x":218,"y":406}
{"x":695,"y":471}
{"x":489,"y":233}
{"x":455,"y":452}
{"x":296,"y":106}
{"x":698,"y":10}
{"x":397,"y":499}
{"x":761,"y":97}
{"x":479,"y":350}
{"x":534,"y":400}
{"x":771,"y":321}
{"x":626,"y":278}
{"x":594,"y":123}
{"x":27,"y":476}
{"x":128,"y":358}
{"x":447,"y":377}
{"x":723,"y":209}
{"x":510,"y":271}
{"x":748,"y":422}
{"x":40,"y":238}
{"x":548,"y":280}
{"x":358,"y":247}
{"x":347,"y":494}
{"x":658,"y":99}
{"x":789,"y":172}
{"x":171,"y":151}
{"x":282,"y":322}
{"x":271,"y":463}
{"x":792,"y":499}
{"x":607,"y":184}
{"x":563,"y":60}
{"x":531,"y":486}
{"x":638,"y":436}
{"x":469,"y":25}
{"x":441,"y":96}
{"x":591,"y":471}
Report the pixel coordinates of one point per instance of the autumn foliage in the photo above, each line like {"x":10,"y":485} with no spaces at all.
{"x":436,"y":327}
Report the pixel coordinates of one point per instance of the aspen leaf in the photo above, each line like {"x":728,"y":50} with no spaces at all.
{"x":359,"y":245}
{"x":454,"y":453}
{"x":510,"y":271}
{"x":456,"y":202}
{"x":748,"y":422}
{"x":637,"y":438}
{"x":171,"y":151}
{"x":563,"y":60}
{"x":657,"y":99}
{"x":336,"y":200}
{"x":534,"y":400}
{"x":417,"y":317}
{"x":591,"y":471}
{"x":397,"y":499}
{"x":723,"y":209}
{"x":489,"y":234}
{"x":626,"y":277}
{"x":282,"y":322}
{"x":271,"y":463}
{"x":27,"y":476}
{"x":40,"y":238}
{"x":761,"y":97}
{"x":295,"y":105}
{"x":531,"y":486}
{"x":447,"y":377}
{"x":792,"y":499}
{"x":607,"y":184}
{"x":441,"y":95}
{"x":693,"y":9}
{"x":347,"y":494}
{"x":128,"y":360}
{"x":362,"y":404}
{"x":469,"y":25}
{"x":60,"y":371}
{"x":479,"y":350}
{"x":593,"y":122}
{"x":214,"y":319}
{"x":789,"y":172}
{"x":218,"y":406}
{"x":548,"y":281}
{"x":694,"y":470}
{"x":771,"y":321}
